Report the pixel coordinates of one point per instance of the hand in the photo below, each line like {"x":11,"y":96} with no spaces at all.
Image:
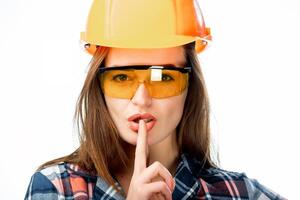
{"x":157,"y":196}
{"x":141,"y":186}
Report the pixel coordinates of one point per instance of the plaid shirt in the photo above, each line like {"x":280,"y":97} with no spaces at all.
{"x":66,"y":181}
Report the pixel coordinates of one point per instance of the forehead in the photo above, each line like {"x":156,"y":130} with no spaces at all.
{"x":123,"y":56}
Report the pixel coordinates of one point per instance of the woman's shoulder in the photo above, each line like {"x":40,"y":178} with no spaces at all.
{"x":60,"y":181}
{"x":234,"y":184}
{"x":216,"y":182}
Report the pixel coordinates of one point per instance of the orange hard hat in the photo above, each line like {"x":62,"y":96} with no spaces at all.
{"x":145,"y":24}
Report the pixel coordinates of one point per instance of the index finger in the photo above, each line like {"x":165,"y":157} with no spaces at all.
{"x":141,"y":150}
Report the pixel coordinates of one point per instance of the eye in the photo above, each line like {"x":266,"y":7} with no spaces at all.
{"x":120,"y":77}
{"x":166,"y":77}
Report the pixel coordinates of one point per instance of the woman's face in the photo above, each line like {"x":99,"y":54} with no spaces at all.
{"x":167,"y":111}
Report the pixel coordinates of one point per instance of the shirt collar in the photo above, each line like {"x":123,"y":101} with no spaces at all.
{"x":186,"y":177}
{"x":79,"y":171}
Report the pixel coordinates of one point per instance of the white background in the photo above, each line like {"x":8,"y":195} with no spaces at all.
{"x":251,"y":70}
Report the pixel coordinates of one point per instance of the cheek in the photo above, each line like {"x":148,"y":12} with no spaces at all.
{"x":116,"y":106}
{"x":171,"y":110}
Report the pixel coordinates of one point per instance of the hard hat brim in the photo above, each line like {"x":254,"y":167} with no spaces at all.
{"x":142,"y":42}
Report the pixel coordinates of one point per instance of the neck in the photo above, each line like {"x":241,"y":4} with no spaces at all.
{"x":165,"y":152}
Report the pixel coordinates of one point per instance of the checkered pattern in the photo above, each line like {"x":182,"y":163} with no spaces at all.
{"x":66,"y":181}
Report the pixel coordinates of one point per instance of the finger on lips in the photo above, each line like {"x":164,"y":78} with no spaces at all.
{"x":156,"y":169}
{"x":141,"y":151}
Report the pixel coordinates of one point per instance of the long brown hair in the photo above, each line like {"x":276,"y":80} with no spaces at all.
{"x":102,"y":151}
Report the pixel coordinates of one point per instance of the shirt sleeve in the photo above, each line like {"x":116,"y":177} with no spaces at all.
{"x":40,"y":187}
{"x":257,"y":191}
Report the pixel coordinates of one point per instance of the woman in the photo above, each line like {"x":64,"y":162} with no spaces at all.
{"x":143,"y":112}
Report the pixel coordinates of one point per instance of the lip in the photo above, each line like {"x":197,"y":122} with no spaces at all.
{"x":135,"y":126}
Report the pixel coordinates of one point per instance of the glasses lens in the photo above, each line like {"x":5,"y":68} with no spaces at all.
{"x":172,"y":83}
{"x":160,"y":83}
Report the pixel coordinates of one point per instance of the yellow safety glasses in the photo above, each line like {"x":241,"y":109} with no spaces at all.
{"x":160,"y":81}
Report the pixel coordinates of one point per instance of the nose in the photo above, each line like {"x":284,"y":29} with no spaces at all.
{"x":141,"y":97}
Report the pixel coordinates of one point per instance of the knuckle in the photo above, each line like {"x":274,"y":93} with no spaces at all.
{"x":162,"y":185}
{"x":157,"y":164}
{"x":166,"y":187}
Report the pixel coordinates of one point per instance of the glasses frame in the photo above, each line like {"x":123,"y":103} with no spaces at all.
{"x":143,"y":67}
